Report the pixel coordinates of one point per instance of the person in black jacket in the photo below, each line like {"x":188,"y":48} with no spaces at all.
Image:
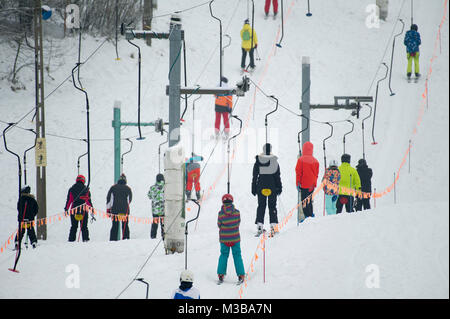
{"x":365,"y":174}
{"x":118,"y":206}
{"x":266,"y":184}
{"x":78,"y":195}
{"x":27,"y":208}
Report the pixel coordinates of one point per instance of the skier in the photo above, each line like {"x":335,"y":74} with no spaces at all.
{"x":365,"y":174}
{"x":412,"y":42}
{"x":223,"y":107}
{"x":78,"y":195}
{"x":118,"y":202}
{"x":186,"y":289}
{"x":27,"y":208}
{"x":193,"y":176}
{"x":156,"y":195}
{"x":249,"y":44}
{"x":349,"y":180}
{"x":333,"y":176}
{"x":307,"y":172}
{"x":267,"y":7}
{"x":228,"y":222}
{"x":266,"y":184}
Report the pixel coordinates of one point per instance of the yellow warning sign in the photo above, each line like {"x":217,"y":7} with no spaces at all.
{"x":41,"y":152}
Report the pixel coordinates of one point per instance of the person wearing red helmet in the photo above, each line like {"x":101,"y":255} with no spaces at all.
{"x":228,"y":222}
{"x":78,"y":195}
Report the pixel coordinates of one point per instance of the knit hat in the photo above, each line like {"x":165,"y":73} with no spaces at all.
{"x":160,"y":178}
{"x":123,"y":178}
{"x":26,"y":189}
{"x":414,"y":27}
{"x":362,"y":162}
{"x":81,"y":178}
{"x":345,"y":158}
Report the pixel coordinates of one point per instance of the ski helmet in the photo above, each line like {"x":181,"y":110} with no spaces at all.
{"x":187,"y":276}
{"x":227,"y":198}
{"x":345,"y":158}
{"x":333,"y":163}
{"x":160,"y":178}
{"x":246,"y":21}
{"x":81,"y":178}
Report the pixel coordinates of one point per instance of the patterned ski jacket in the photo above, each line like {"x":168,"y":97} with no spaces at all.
{"x":333,"y":176}
{"x":228,"y":223}
{"x":412,"y":41}
{"x":156,"y":195}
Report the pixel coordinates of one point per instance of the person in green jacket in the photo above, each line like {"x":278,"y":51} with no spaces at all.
{"x":156,"y":195}
{"x":349,"y":181}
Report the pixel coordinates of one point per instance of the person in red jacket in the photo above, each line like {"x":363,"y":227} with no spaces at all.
{"x":307,"y":172}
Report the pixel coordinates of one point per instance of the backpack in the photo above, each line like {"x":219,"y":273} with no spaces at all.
{"x":246,"y":35}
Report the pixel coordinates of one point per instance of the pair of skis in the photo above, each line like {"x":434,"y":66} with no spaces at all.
{"x":238,"y":283}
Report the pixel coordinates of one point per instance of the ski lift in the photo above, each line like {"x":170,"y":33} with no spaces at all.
{"x":228,"y":150}
{"x":282,"y":26}
{"x":79,"y":158}
{"x":267,"y":115}
{"x":121,"y":157}
{"x":323,"y":143}
{"x":301,"y":131}
{"x":343,"y":140}
{"x":186,"y":231}
{"x":362,"y":126}
{"x":375,"y":107}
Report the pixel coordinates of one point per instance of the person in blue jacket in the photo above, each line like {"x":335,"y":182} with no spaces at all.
{"x":412,"y":42}
{"x":186,"y":290}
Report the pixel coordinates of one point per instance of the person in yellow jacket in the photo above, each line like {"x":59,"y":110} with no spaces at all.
{"x":349,"y":180}
{"x":249,"y":44}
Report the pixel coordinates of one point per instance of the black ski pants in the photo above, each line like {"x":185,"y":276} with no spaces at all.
{"x":30,"y":233}
{"x":346,"y":200}
{"x":263,"y":201}
{"x":116,"y":223}
{"x":308,"y":209}
{"x":154,"y":228}
{"x":362,"y":203}
{"x":244,"y":57}
{"x":74,"y":227}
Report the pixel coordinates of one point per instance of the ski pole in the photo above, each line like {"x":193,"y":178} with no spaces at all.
{"x":264,"y":256}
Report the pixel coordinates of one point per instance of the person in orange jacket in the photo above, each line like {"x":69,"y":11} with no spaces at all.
{"x":307,"y":172}
{"x":223,"y":107}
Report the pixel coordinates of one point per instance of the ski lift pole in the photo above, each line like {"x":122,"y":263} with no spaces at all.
{"x":193,"y":123}
{"x":186,"y":231}
{"x":87,"y":122}
{"x":298,"y":135}
{"x":25,"y":156}
{"x":79,"y":158}
{"x":325,"y":160}
{"x":392,"y":55}
{"x":353,"y":126}
{"x":220,"y":35}
{"x":375,"y":107}
{"x":121,"y":158}
{"x":309,"y":12}
{"x":139,"y":89}
{"x":282,"y":26}
{"x":146,"y":283}
{"x":228,"y":151}
{"x":362,"y":129}
{"x":267,"y":115}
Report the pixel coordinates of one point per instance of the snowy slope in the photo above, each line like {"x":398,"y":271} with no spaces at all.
{"x":323,"y":258}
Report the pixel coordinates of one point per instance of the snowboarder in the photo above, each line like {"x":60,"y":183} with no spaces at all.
{"x":78,"y":195}
{"x":333,"y":176}
{"x":267,"y":7}
{"x":266,"y":185}
{"x":193,"y":176}
{"x":412,"y":42}
{"x":349,"y":180}
{"x":156,"y":195}
{"x":223,"y":107}
{"x":228,"y":222}
{"x":118,"y":202}
{"x":27,"y":208}
{"x":307,"y":172}
{"x":186,"y":289}
{"x":249,"y":44}
{"x":365,"y":174}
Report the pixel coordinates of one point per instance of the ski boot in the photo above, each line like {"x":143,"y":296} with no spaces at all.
{"x":275,"y":15}
{"x":220,"y":279}
{"x":259,"y":231}
{"x":273,"y":230}
{"x":188,"y":195}
{"x":34,"y":245}
{"x":241,"y":279}
{"x":198,"y":195}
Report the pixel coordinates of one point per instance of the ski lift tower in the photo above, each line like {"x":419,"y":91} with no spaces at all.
{"x":340,"y":102}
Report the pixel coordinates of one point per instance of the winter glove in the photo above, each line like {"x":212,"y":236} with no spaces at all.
{"x":278,"y":191}
{"x":334,"y":198}
{"x":256,"y":45}
{"x":253,"y":190}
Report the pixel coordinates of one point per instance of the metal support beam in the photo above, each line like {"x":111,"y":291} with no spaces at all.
{"x":305,"y":103}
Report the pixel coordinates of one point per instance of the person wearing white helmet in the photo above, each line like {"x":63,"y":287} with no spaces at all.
{"x":332,"y":176}
{"x":186,"y":289}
